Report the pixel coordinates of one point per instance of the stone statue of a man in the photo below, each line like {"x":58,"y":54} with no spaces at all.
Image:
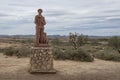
{"x":40,"y":34}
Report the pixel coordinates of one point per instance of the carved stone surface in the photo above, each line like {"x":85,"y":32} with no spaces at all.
{"x":41,"y":60}
{"x":41,"y":54}
{"x":41,"y":36}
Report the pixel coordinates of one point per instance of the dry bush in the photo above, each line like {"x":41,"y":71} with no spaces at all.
{"x":108,"y":54}
{"x":72,"y":54}
{"x":17,"y":51}
{"x":115,"y":43}
{"x":77,"y":40}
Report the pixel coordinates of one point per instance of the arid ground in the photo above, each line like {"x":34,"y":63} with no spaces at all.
{"x":13,"y":68}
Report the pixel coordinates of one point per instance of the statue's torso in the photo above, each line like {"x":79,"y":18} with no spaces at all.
{"x":39,"y":20}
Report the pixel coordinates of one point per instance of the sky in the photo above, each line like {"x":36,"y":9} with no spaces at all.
{"x":89,"y":17}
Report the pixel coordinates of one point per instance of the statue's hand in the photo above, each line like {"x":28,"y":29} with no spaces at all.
{"x":43,"y":23}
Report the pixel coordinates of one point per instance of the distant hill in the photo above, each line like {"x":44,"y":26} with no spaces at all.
{"x":51,"y":36}
{"x":16,"y":36}
{"x":30,"y":36}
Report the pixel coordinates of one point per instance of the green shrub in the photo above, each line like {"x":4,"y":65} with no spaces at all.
{"x":82,"y":56}
{"x":56,"y":41}
{"x":1,"y":49}
{"x":23,"y":52}
{"x":114,"y":42}
{"x":108,"y":54}
{"x":82,"y":39}
{"x":59,"y":54}
{"x":10,"y":51}
{"x":71,"y":54}
{"x":19,"y":51}
{"x":77,"y":40}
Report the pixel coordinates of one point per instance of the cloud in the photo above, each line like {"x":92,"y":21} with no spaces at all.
{"x":57,"y":13}
{"x":94,"y":17}
{"x":3,"y":15}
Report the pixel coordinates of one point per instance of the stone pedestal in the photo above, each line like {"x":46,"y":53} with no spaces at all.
{"x":41,"y":60}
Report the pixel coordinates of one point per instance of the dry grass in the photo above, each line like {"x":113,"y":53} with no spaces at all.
{"x":3,"y":45}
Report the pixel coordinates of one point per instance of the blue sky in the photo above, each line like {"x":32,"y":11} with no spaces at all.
{"x":89,"y":17}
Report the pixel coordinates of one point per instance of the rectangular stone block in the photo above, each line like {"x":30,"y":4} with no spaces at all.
{"x":41,"y":60}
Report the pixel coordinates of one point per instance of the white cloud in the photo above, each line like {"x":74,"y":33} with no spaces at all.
{"x":93,"y":17}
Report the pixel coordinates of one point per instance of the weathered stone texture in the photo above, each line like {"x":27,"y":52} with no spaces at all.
{"x":41,"y":59}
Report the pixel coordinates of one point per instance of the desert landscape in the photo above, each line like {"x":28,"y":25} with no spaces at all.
{"x":59,"y":39}
{"x":15,"y":68}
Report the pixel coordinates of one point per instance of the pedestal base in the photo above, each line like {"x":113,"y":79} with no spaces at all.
{"x":41,"y":60}
{"x":43,"y":72}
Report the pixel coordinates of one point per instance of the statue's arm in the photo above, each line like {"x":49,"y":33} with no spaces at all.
{"x":35,"y":20}
{"x":44,"y":20}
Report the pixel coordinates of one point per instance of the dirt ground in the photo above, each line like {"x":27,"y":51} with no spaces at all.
{"x":12,"y":68}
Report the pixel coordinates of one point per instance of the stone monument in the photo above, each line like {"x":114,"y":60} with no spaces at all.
{"x":41,"y":60}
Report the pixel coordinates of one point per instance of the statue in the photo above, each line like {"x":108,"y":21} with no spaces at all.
{"x":41,"y":37}
{"x":41,"y":57}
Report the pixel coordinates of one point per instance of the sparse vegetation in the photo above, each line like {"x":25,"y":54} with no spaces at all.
{"x":1,"y":49}
{"x":75,"y":47}
{"x":108,"y":54}
{"x":67,"y":59}
{"x":56,"y":41}
{"x":77,"y":40}
{"x":94,"y":42}
{"x":19,"y":51}
{"x":10,"y":51}
{"x":115,"y":43}
{"x":72,"y":54}
{"x":63,"y":52}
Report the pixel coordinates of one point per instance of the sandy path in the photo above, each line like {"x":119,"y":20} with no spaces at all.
{"x":13,"y":68}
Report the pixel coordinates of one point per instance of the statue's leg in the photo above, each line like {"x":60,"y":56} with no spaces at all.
{"x":41,"y":35}
{"x":37,"y":36}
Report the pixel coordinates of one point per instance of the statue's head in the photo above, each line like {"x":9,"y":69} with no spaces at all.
{"x":40,"y":11}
